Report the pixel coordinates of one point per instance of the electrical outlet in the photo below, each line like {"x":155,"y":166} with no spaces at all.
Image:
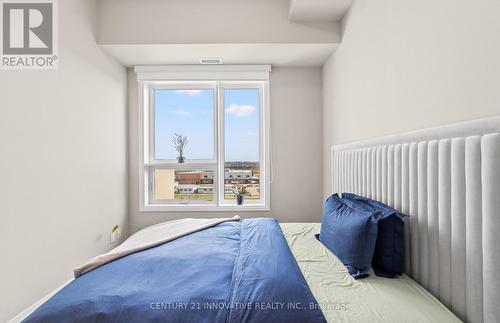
{"x":115,"y":236}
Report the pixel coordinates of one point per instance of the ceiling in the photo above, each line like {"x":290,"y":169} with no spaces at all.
{"x":313,"y":54}
{"x":318,"y":10}
{"x":307,"y":36}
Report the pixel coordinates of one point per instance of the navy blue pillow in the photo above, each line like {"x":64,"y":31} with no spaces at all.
{"x":350,"y":234}
{"x":389,"y":256}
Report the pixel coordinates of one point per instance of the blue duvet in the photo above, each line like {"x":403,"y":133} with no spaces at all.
{"x":233,"y":272}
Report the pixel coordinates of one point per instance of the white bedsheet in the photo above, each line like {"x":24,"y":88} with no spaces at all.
{"x":150,"y":237}
{"x":373,"y":299}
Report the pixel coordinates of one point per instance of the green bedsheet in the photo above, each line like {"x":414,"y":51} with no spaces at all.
{"x":373,"y":299}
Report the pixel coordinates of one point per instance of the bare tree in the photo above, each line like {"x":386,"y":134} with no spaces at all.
{"x":180,"y":143}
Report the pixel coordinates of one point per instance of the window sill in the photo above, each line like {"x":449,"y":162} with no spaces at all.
{"x":205,"y":208}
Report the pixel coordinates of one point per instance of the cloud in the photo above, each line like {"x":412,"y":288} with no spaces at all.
{"x":181,"y":112}
{"x":252,"y":134}
{"x":190,"y":92}
{"x":240,"y":110}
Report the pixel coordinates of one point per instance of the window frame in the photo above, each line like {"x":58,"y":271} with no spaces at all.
{"x":262,"y":143}
{"x":147,"y":161}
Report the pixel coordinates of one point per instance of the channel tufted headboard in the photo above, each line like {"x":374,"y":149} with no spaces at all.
{"x":447,"y":179}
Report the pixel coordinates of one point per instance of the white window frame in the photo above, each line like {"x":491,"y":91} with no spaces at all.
{"x":217,"y":78}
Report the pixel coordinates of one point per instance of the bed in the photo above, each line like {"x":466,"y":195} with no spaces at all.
{"x":282,"y":268}
{"x":446,"y":180}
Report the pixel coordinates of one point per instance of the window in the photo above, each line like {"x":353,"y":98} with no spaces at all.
{"x":202,"y":141}
{"x":188,"y":112}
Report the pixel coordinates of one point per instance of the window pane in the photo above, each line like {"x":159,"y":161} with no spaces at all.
{"x":187,"y":185}
{"x":241,"y":121}
{"x":189,"y":113}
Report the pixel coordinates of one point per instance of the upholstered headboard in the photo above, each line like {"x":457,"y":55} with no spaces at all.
{"x":447,"y":179}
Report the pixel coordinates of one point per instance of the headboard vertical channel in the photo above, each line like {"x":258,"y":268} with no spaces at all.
{"x":447,"y":180}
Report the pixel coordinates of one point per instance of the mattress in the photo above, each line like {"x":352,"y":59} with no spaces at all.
{"x":372,"y":299}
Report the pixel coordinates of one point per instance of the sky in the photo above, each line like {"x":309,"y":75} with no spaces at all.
{"x":191,"y":113}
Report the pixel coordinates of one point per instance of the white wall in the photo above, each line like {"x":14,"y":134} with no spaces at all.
{"x":405,"y":65}
{"x":206,"y":22}
{"x":296,"y":192}
{"x":62,"y":162}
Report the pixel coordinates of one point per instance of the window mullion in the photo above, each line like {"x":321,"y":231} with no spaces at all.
{"x":220,"y":145}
